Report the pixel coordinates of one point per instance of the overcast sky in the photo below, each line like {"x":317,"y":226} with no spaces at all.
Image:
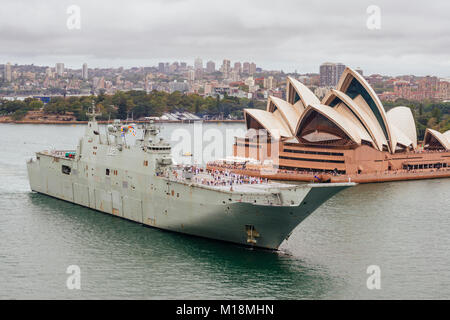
{"x":414,"y":37}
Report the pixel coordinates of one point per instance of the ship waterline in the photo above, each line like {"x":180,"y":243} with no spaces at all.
{"x":139,"y":183}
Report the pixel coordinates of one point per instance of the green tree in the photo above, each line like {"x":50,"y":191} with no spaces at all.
{"x":19,"y":114}
{"x":436,"y":113}
{"x":35,"y":104}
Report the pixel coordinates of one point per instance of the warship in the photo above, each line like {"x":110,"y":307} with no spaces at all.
{"x":140,"y":182}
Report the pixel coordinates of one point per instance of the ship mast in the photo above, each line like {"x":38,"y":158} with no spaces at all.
{"x":91,"y":113}
{"x":150,"y":132}
{"x":92,"y":127}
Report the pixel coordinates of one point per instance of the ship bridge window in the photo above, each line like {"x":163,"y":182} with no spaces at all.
{"x":65,"y":169}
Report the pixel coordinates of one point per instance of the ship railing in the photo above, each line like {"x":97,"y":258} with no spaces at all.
{"x":313,"y":174}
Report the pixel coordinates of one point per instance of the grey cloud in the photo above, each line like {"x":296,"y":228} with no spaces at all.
{"x":414,"y":37}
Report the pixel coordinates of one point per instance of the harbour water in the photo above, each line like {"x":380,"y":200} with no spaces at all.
{"x":402,"y":227}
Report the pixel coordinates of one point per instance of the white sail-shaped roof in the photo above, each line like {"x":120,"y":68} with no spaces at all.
{"x":289,"y":113}
{"x":447,"y":134}
{"x":341,"y":121}
{"x":272,"y":122}
{"x":305,"y":96}
{"x":347,"y":113}
{"x":353,"y":84}
{"x":401,"y":138}
{"x":350,"y":113}
{"x":372,"y":120}
{"x":442,"y":138}
{"x":364,"y":114}
{"x":402,"y":118}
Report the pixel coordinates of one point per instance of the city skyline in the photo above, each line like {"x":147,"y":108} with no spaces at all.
{"x":241,"y":80}
{"x":290,"y":36}
{"x":217,"y":65}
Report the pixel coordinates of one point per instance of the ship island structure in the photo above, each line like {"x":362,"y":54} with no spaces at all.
{"x":348,"y":136}
{"x":141,"y":183}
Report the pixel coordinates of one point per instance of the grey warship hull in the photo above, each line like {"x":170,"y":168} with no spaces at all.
{"x":129,"y":183}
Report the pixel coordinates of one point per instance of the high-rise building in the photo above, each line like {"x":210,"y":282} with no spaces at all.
{"x":146,"y":83}
{"x":191,"y":75}
{"x":8,"y":72}
{"x":340,"y":67}
{"x":59,"y":68}
{"x":210,"y":67}
{"x":327,"y":74}
{"x":237,"y":67}
{"x":173,"y":67}
{"x":198,"y":68}
{"x":199,"y":74}
{"x":99,"y":83}
{"x":359,"y":70}
{"x":226,"y":67}
{"x":161,"y":67}
{"x":246,"y":67}
{"x":198,"y":64}
{"x":330,"y":73}
{"x":84,"y":72}
{"x":48,"y":72}
{"x":268,"y":82}
{"x":234,"y":75}
{"x":252,"y":68}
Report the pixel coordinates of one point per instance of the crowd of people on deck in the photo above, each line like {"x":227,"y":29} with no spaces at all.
{"x":223,"y":175}
{"x":268,"y":169}
{"x":217,"y":177}
{"x":223,"y":178}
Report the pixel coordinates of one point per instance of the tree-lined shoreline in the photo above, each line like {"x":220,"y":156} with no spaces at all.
{"x":139,"y":104}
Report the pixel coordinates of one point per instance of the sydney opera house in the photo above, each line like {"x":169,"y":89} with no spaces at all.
{"x":346,"y":135}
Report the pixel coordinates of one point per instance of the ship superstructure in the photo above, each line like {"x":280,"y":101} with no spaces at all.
{"x":139,"y":182}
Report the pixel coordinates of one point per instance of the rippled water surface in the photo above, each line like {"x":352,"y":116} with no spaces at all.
{"x":403,"y":227}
